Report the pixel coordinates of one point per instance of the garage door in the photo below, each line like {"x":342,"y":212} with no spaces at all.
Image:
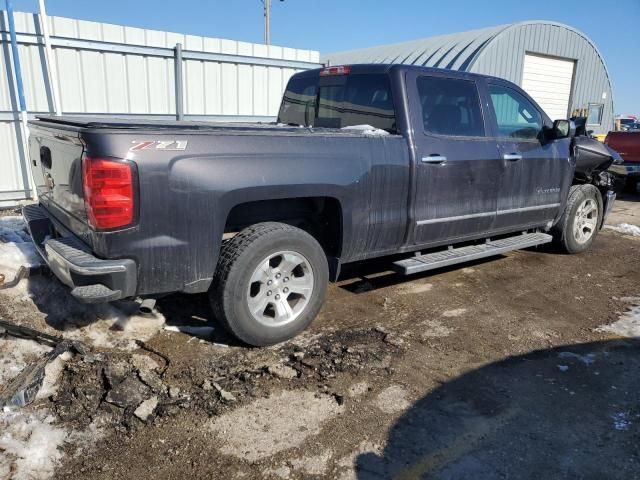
{"x":548,"y":81}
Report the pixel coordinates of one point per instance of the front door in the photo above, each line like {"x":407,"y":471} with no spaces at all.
{"x":537,"y":173}
{"x":458,"y":169}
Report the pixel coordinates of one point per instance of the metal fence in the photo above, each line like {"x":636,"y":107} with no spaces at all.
{"x":104,"y":69}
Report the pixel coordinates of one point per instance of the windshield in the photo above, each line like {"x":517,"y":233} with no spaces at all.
{"x":339,"y":102}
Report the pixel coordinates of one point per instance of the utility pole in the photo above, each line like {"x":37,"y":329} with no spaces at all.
{"x":267,"y":12}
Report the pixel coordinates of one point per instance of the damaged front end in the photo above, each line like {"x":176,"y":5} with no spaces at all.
{"x":596,"y":165}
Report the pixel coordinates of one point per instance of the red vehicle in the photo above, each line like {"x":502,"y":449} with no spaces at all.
{"x":627,"y":144}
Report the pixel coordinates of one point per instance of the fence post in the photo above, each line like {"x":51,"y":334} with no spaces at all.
{"x":24,"y":129}
{"x":52,"y":71}
{"x":177,"y":60}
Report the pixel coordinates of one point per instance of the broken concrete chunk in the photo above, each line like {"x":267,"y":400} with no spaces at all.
{"x":116,"y":372}
{"x":226,"y":396}
{"x":393,"y":340}
{"x":174,"y":392}
{"x":146,"y":408}
{"x":128,"y":393}
{"x":144,"y":362}
{"x":282,"y":371}
{"x":152,"y":380}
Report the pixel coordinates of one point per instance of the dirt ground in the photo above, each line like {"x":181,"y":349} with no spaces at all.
{"x":497,"y":369}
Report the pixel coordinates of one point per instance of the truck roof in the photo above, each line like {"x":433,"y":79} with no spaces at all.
{"x":372,"y":68}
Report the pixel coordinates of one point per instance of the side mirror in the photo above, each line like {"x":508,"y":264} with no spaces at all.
{"x":563,"y":129}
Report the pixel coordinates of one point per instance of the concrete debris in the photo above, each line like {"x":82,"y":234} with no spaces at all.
{"x":146,"y":408}
{"x":226,"y":396}
{"x":393,"y":340}
{"x":128,"y":393}
{"x":282,"y":371}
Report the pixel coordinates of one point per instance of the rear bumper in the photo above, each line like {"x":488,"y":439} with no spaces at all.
{"x":91,"y":279}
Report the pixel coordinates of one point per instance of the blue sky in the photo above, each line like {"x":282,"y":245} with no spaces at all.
{"x":334,"y":25}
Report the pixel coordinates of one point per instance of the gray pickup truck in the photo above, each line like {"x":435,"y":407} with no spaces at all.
{"x":365,"y":161}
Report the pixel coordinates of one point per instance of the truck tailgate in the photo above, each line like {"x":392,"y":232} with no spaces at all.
{"x":56,"y":161}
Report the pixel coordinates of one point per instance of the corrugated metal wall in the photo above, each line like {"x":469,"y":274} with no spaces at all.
{"x":119,"y":70}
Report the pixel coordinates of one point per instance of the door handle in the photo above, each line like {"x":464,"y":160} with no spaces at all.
{"x":434,"y":159}
{"x":512,"y":157}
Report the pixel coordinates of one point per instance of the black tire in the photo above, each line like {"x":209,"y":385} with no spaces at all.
{"x":239,"y":260}
{"x":564,"y":231}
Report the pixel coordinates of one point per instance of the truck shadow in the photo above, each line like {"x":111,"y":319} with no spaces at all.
{"x":566,"y":412}
{"x":189,"y":314}
{"x":374,"y":274}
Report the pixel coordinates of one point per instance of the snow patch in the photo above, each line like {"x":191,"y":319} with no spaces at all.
{"x":108,"y":325}
{"x":16,"y":354}
{"x":30,"y":445}
{"x":196,"y":331}
{"x":16,"y":247}
{"x":367,"y":130}
{"x":621,"y":421}
{"x":627,"y":325}
{"x":587,"y":359}
{"x":625,"y":228}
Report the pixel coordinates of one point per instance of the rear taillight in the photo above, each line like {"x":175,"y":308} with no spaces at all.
{"x":339,"y":70}
{"x":109,"y":193}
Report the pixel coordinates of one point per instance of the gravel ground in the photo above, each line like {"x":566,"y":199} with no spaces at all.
{"x":495,"y":369}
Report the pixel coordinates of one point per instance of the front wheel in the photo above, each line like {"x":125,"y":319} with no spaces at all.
{"x":270,"y":283}
{"x":578,"y":227}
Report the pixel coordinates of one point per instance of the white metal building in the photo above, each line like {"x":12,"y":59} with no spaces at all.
{"x":123,"y":71}
{"x":557,"y":65}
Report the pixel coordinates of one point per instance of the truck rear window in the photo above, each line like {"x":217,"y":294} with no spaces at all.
{"x":339,"y":101}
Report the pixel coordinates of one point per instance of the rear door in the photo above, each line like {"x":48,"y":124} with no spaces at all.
{"x":458,"y":169}
{"x":537,"y":173}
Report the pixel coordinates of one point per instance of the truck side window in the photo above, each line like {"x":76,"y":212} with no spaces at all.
{"x":298,"y":105}
{"x":450,"y":107}
{"x":516,"y":116}
{"x":360,"y":100}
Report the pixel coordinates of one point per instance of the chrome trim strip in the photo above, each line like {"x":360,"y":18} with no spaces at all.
{"x":488,"y":214}
{"x":434,"y":159}
{"x":512,"y":157}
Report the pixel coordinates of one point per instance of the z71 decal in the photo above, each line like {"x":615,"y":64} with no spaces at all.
{"x":159,"y":145}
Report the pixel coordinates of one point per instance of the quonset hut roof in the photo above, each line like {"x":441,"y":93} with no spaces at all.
{"x":459,"y":51}
{"x":456,"y":51}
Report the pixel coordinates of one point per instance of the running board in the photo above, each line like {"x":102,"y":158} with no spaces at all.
{"x":444,"y":258}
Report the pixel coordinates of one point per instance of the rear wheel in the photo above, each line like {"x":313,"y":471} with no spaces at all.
{"x":270,"y":283}
{"x":580,"y":222}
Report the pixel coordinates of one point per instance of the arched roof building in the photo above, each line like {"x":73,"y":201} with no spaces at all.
{"x":556,"y":64}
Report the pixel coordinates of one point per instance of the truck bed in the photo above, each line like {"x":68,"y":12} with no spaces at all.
{"x":208,"y":127}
